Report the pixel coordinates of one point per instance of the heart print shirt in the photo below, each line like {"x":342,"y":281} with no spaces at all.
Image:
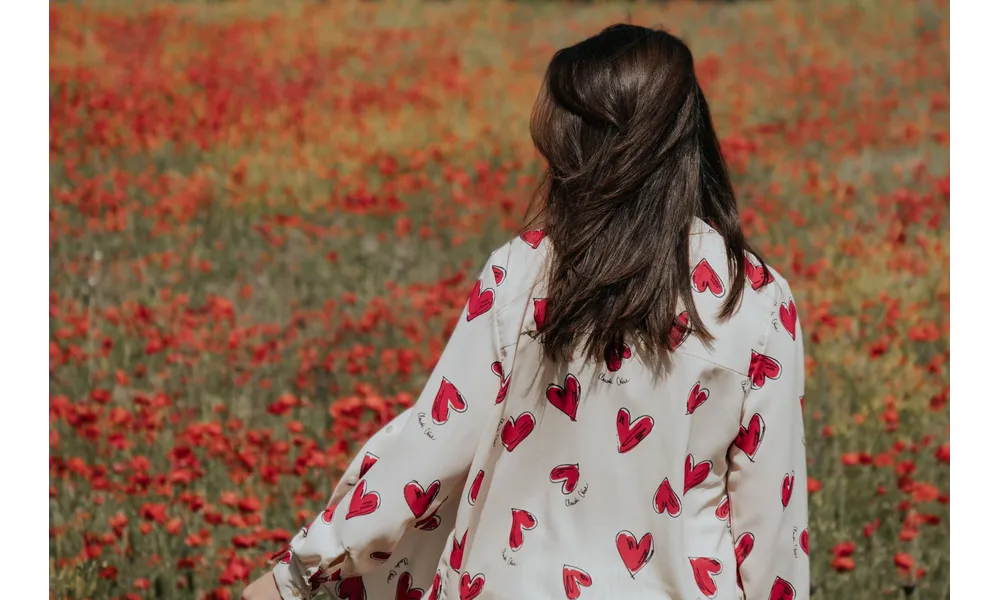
{"x":512,"y":477}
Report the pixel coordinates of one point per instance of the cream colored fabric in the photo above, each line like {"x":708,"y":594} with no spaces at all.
{"x":513,"y":477}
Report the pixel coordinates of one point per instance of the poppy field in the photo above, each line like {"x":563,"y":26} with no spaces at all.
{"x":266,"y":215}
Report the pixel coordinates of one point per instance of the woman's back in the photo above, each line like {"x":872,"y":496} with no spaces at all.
{"x":617,"y":413}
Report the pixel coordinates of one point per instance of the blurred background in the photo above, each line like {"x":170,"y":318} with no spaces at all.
{"x":265,"y":216}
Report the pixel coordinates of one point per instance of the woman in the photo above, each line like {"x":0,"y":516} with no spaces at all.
{"x":618,"y":411}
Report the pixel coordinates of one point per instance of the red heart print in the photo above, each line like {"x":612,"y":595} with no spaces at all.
{"x":457,"y":551}
{"x":566,"y":397}
{"x":497,"y":368}
{"x":477,"y":483}
{"x":282,"y":556}
{"x":435,"y":586}
{"x":328,"y":513}
{"x":762,"y":368}
{"x":367,"y":463}
{"x":516,"y":430}
{"x":403,"y":589}
{"x":695,"y":474}
{"x":418,"y":499}
{"x":539,"y":312}
{"x":533,"y":237}
{"x":630,"y":432}
{"x":743,"y":546}
{"x":679,"y":331}
{"x":788,"y":314}
{"x":786,"y":489}
{"x":781,"y":590}
{"x":722,"y":511}
{"x":568,"y":474}
{"x":705,"y":569}
{"x":635,"y":554}
{"x":804,"y":541}
{"x":614,"y":361}
{"x":352,"y":588}
{"x":448,"y":397}
{"x":573,"y":579}
{"x":666,"y":500}
{"x":470,"y":587}
{"x":362,"y":503}
{"x":499,"y":274}
{"x":696,"y":397}
{"x":480,"y":301}
{"x":521,"y":521}
{"x":430,"y":522}
{"x":755,"y":273}
{"x":380,"y":556}
{"x":704,"y":278}
{"x":749,"y":438}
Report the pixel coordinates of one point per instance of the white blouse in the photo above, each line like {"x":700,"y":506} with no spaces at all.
{"x":513,"y":477}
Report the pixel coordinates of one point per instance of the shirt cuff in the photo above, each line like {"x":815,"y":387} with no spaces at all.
{"x":291,"y":586}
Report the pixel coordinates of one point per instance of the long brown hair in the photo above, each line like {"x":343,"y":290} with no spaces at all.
{"x":632,"y":159}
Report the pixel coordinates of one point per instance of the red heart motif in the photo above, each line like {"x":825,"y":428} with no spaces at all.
{"x":447,"y":397}
{"x":362,"y":503}
{"x":521,"y":521}
{"x":533,"y":237}
{"x":418,"y":499}
{"x":788,"y":314}
{"x":705,"y":569}
{"x":499,"y":274}
{"x":762,"y":368}
{"x":476,"y":484}
{"x":804,"y":541}
{"x":666,"y":499}
{"x":430,"y":522}
{"x":679,"y":331}
{"x":328,"y":513}
{"x":435,"y":586}
{"x":614,"y":361}
{"x":497,"y":368}
{"x":694,"y":474}
{"x":568,"y":474}
{"x":352,"y":588}
{"x":786,"y":489}
{"x":744,"y":544}
{"x":696,"y":397}
{"x":403,"y":589}
{"x":367,"y":463}
{"x":704,"y":278}
{"x":722,"y":511}
{"x":573,"y":578}
{"x":749,"y":438}
{"x":470,"y":587}
{"x":756,"y":275}
{"x":630,"y":432}
{"x":566,"y":399}
{"x":457,"y":551}
{"x":480,"y":300}
{"x":635,"y":554}
{"x":515,"y":430}
{"x":282,"y":556}
{"x":539,"y":312}
{"x":781,"y":590}
{"x":380,"y":556}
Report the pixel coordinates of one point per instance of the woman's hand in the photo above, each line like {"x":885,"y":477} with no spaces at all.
{"x":262,"y":588}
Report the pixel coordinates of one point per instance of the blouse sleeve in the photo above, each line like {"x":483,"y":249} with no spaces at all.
{"x":767,"y":478}
{"x":432,"y":454}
